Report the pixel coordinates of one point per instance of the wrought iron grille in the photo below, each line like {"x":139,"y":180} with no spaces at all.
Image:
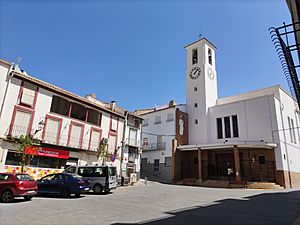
{"x":286,"y":45}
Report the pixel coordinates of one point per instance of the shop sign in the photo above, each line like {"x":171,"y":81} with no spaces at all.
{"x":48,"y":152}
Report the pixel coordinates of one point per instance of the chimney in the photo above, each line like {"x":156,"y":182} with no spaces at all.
{"x":113,"y":105}
{"x":172,"y":103}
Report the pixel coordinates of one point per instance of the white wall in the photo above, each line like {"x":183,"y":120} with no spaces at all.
{"x":254,"y":120}
{"x":3,"y":76}
{"x":10,"y":102}
{"x":164,"y":128}
{"x":289,"y":156}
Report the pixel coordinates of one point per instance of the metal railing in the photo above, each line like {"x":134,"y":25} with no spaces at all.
{"x":16,"y":131}
{"x":133,"y":142}
{"x":155,"y":146}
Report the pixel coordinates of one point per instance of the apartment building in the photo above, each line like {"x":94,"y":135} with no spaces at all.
{"x":66,"y":128}
{"x":160,"y":126}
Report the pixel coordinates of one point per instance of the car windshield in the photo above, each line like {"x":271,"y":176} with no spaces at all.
{"x":3,"y":177}
{"x":24,"y":177}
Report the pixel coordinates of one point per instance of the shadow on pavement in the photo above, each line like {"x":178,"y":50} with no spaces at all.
{"x":58,"y":196}
{"x":104,"y":193}
{"x":281,"y":208}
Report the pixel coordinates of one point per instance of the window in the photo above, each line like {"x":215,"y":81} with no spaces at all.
{"x":95,"y":139}
{"x":157,"y":119}
{"x":156,"y":165}
{"x":133,"y":121}
{"x":194,"y":56}
{"x":227,"y":127}
{"x":78,"y":112}
{"x":145,"y":122}
{"x":219,"y":128}
{"x":99,"y":172}
{"x":290,"y":129}
{"x":132,"y":137}
{"x":159,"y":139}
{"x":195,"y":105}
{"x":52,"y":129}
{"x":209,"y":56}
{"x":195,"y":89}
{"x":112,"y":142}
{"x":114,"y":123}
{"x":28,"y":94}
{"x":60,"y":106}
{"x":235,"y":127}
{"x":293,"y":131}
{"x":94,"y":117}
{"x":170,"y":117}
{"x":75,"y":136}
{"x":196,"y":121}
{"x":71,"y":169}
{"x":21,"y":123}
{"x":145,"y":141}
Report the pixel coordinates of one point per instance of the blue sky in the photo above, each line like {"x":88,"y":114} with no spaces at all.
{"x":133,"y":51}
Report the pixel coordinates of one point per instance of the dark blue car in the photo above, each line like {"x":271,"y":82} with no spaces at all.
{"x":62,"y":184}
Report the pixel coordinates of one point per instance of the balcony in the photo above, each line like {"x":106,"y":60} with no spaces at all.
{"x":70,"y":141}
{"x":133,"y":142}
{"x":155,"y":146}
{"x":15,"y":131}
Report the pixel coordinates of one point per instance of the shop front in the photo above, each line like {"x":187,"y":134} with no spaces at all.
{"x":45,"y":161}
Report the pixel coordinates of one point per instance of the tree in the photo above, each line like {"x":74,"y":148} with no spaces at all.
{"x":24,"y":142}
{"x":102,"y":153}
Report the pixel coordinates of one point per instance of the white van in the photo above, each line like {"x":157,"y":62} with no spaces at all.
{"x":102,"y":178}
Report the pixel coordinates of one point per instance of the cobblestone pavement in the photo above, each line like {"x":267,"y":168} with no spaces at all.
{"x":160,"y":204}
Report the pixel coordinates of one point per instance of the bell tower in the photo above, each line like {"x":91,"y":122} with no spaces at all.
{"x":201,"y":88}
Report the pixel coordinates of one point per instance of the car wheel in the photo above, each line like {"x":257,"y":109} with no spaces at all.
{"x":65,"y":193}
{"x":98,"y":189}
{"x":77,"y":195}
{"x":27,"y":198}
{"x":7,"y":196}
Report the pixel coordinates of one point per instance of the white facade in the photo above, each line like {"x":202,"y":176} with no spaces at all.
{"x":266,"y":118}
{"x":200,"y":76}
{"x":158,"y":135}
{"x":62,"y":132}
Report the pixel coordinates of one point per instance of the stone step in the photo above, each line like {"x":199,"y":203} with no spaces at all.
{"x":263,"y":185}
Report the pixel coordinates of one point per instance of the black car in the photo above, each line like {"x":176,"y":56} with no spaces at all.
{"x":62,"y":184}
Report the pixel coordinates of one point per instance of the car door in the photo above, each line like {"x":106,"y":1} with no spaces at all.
{"x":44,"y":184}
{"x":58,"y":183}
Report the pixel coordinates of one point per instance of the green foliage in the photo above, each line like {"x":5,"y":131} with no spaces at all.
{"x":102,"y":153}
{"x":24,"y":143}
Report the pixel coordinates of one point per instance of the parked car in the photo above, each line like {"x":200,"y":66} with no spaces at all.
{"x":16,"y":185}
{"x":63,"y":184}
{"x":102,"y":178}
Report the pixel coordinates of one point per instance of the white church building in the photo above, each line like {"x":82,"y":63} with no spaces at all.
{"x":251,"y":137}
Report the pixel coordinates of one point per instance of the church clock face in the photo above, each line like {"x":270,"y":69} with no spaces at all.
{"x":211,"y":73}
{"x":195,"y":73}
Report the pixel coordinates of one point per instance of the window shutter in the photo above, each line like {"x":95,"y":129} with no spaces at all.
{"x":21,"y":123}
{"x":114,"y":124}
{"x":28,"y":94}
{"x":75,"y":136}
{"x":112,"y":144}
{"x":95,"y":139}
{"x":52,"y":131}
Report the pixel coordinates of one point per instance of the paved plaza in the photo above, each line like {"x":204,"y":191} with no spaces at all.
{"x":160,"y":204}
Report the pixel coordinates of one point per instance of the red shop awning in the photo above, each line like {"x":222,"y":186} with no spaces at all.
{"x":47,"y":152}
